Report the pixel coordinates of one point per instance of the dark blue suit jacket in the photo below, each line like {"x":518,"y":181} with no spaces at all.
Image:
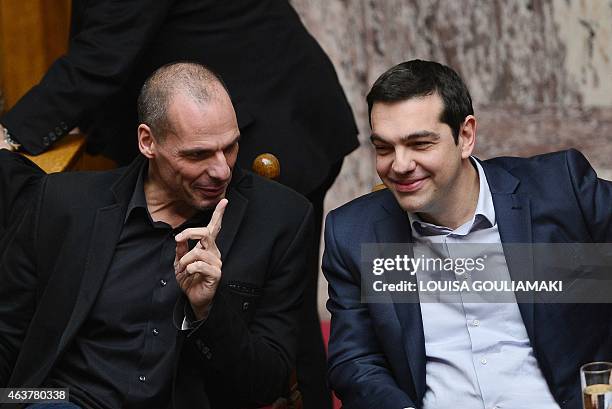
{"x":377,"y":351}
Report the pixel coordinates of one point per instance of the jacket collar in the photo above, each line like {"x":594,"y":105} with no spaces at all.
{"x":513,"y":213}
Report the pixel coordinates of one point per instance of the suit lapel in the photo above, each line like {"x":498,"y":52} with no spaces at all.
{"x":107,"y":227}
{"x":108,"y":224}
{"x":513,"y":215}
{"x":394,"y":227}
{"x":234,"y":213}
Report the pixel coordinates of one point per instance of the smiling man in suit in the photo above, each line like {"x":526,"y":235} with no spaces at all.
{"x":420,"y":354}
{"x":90,"y":280}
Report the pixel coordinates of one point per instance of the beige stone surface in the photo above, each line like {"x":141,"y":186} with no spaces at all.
{"x":586,"y":33}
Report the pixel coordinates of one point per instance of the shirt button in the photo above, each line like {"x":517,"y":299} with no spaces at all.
{"x":142,"y":378}
{"x":163,"y":282}
{"x":155,"y":331}
{"x":476,"y":323}
{"x":483,"y":361}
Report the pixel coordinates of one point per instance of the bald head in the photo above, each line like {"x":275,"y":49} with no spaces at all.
{"x":188,"y":79}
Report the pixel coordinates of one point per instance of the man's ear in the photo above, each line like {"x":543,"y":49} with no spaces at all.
{"x":146,"y":142}
{"x":467,"y":136}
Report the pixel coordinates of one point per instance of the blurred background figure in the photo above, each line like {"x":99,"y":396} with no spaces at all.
{"x":287,"y":96}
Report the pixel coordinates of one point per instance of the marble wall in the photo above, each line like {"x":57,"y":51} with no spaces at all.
{"x":539,"y":71}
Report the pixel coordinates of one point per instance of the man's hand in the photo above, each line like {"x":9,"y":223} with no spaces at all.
{"x":5,"y":140}
{"x":198,"y":271}
{"x":3,"y":143}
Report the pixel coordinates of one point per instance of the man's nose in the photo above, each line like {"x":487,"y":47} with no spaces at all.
{"x":219,"y":168}
{"x":403,"y":162}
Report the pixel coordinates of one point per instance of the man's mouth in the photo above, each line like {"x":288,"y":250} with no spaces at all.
{"x":407,"y":186}
{"x":212,"y":190}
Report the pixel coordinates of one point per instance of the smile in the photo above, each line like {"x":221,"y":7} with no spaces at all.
{"x":411,"y":186}
{"x":212,"y":191}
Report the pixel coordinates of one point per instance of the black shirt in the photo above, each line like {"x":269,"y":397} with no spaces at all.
{"x":123,"y":356}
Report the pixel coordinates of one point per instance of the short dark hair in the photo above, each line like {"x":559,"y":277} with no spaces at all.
{"x":191,"y":78}
{"x":418,"y":78}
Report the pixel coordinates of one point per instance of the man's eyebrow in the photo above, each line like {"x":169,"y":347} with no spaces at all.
{"x":233,"y":142}
{"x":406,"y":138}
{"x":203,"y":151}
{"x":236,"y":139}
{"x":195,"y":151}
{"x":377,"y":138}
{"x":420,"y":134}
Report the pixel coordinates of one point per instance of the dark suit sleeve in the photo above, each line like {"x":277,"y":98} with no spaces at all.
{"x":358,"y":370}
{"x":594,"y":196}
{"x":18,"y":285}
{"x":256,"y":359}
{"x":18,"y":179}
{"x":99,"y":60}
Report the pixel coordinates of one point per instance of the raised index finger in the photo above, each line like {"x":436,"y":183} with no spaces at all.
{"x":214,"y":226}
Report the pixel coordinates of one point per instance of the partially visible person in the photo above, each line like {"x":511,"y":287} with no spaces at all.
{"x":126,"y":287}
{"x":415,"y":351}
{"x":287,"y":95}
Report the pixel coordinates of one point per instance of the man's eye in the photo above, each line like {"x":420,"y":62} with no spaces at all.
{"x":196,"y":155}
{"x":422,"y":144}
{"x":382,"y":149}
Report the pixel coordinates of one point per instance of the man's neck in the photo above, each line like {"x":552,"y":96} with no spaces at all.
{"x":460,"y":204}
{"x":162,"y":206}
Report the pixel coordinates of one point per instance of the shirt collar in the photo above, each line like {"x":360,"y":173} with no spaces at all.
{"x":138,"y":199}
{"x":484,"y":216}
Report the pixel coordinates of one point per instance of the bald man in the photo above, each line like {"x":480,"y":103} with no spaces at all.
{"x":174,"y":282}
